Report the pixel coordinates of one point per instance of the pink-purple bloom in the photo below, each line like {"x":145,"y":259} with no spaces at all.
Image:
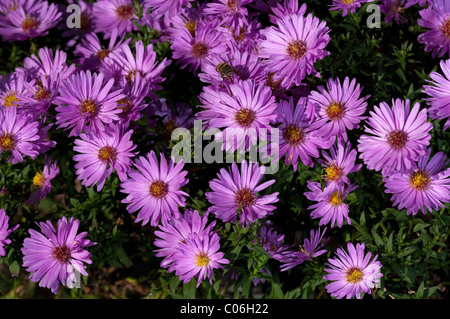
{"x":55,"y":256}
{"x":340,"y":107}
{"x":101,"y":154}
{"x":439,"y":94}
{"x":4,"y":231}
{"x":114,"y":15}
{"x":437,"y":20}
{"x":393,"y":10}
{"x":154,"y":189}
{"x":399,"y":135}
{"x":347,"y":6}
{"x":426,"y":187}
{"x":293,"y":46}
{"x":331,"y":207}
{"x":175,"y":232}
{"x":352,"y":272}
{"x":235,"y":194}
{"x":42,"y":181}
{"x":87,"y":100}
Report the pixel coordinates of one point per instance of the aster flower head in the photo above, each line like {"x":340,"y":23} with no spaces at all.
{"x":426,"y":187}
{"x":42,"y":181}
{"x":198,"y":258}
{"x":154,"y":189}
{"x":54,"y":256}
{"x":393,"y":10}
{"x":245,"y":112}
{"x":28,"y":21}
{"x":41,"y":93}
{"x":298,"y":140}
{"x":13,"y":91}
{"x":4,"y":231}
{"x":176,"y":231}
{"x":287,"y":7}
{"x":18,"y":135}
{"x":352,"y":272}
{"x":101,"y":154}
{"x":114,"y":14}
{"x":143,"y":63}
{"x":437,"y":20}
{"x":347,"y":6}
{"x":293,"y":46}
{"x":331,"y":207}
{"x":272,"y":241}
{"x":399,"y":135}
{"x":339,"y":163}
{"x":232,"y":13}
{"x":235,"y":195}
{"x":87,"y":100}
{"x":340,"y":107}
{"x":195,"y":50}
{"x":438,"y":94}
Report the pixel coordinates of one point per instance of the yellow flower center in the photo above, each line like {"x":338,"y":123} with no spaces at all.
{"x":446,"y":28}
{"x":125,"y":12}
{"x":9,"y":100}
{"x":42,"y":94}
{"x":190,"y":25}
{"x":245,"y":117}
{"x":158,"y":189}
{"x":419,"y":180}
{"x":296,"y":49}
{"x":29,"y":24}
{"x":334,"y":172}
{"x":7,"y":142}
{"x":293,"y":134}
{"x":336,"y":198}
{"x":202,"y":260}
{"x":107,"y":154}
{"x":354,"y":275}
{"x":89,"y":107}
{"x":335,"y":111}
{"x":38,"y":180}
{"x":102,"y":54}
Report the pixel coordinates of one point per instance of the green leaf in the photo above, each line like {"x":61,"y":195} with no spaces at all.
{"x":14,"y":268}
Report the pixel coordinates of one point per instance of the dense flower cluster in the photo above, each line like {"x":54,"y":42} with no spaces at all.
{"x":254,"y":73}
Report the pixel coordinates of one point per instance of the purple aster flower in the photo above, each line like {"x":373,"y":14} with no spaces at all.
{"x":297,"y":138}
{"x":93,"y":55}
{"x":393,"y":10}
{"x":309,"y":249}
{"x":101,"y":154}
{"x":18,"y":134}
{"x":154,"y":189}
{"x":47,"y":63}
{"x":439,"y":95}
{"x":287,"y":7}
{"x":42,"y":181}
{"x":86,"y":22}
{"x":347,"y":5}
{"x":114,"y":14}
{"x":4,"y":231}
{"x":339,"y":163}
{"x":339,"y":107}
{"x":246,"y":38}
{"x":352,"y":272}
{"x":195,"y":50}
{"x":198,"y":257}
{"x":170,"y":8}
{"x":230,"y":67}
{"x":232,"y":13}
{"x":41,"y":93}
{"x":426,"y":187}
{"x":235,"y":194}
{"x":399,"y":135}
{"x":54,"y":256}
{"x":331,"y":207}
{"x":86,"y":100}
{"x":246,"y":112}
{"x":292,"y":47}
{"x":144,"y":63}
{"x":30,"y":21}
{"x":422,"y":3}
{"x":13,"y":92}
{"x":437,"y":20}
{"x":176,"y":231}
{"x":272,"y":241}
